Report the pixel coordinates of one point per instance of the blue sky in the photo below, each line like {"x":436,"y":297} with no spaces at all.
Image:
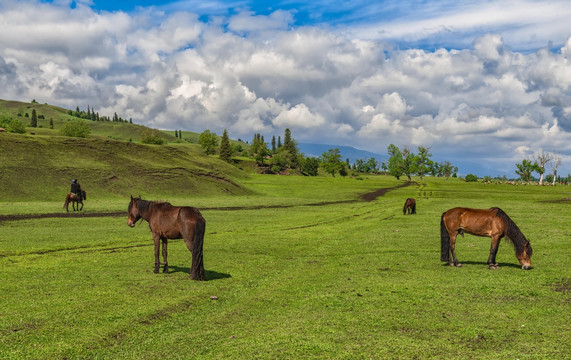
{"x":483,"y":84}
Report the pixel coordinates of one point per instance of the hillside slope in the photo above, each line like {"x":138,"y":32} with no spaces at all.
{"x":40,"y":168}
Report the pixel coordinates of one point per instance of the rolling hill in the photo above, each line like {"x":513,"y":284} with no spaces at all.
{"x":40,"y":166}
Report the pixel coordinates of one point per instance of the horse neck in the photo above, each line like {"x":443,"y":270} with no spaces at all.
{"x":145,"y":208}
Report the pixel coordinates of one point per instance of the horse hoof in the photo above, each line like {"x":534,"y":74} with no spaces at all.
{"x":494,"y":267}
{"x":458,"y":265}
{"x":156,"y":271}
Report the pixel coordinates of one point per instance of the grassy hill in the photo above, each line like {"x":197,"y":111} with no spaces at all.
{"x":41,"y":166}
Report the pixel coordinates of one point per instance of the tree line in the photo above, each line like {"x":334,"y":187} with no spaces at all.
{"x":92,"y":115}
{"x":279,"y":157}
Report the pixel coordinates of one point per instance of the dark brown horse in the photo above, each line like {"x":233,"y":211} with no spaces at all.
{"x":74,"y":199}
{"x":172,"y":222}
{"x":410,"y":205}
{"x":493,"y":223}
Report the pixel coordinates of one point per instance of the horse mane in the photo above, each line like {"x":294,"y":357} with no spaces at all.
{"x":145,"y":205}
{"x":513,"y":233}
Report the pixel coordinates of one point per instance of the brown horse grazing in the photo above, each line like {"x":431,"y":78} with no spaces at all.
{"x":410,"y":205}
{"x":73,"y":199}
{"x":172,"y":222}
{"x":492,"y":223}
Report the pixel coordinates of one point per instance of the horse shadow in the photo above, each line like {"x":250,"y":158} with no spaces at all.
{"x":483,"y":263}
{"x":209,"y":274}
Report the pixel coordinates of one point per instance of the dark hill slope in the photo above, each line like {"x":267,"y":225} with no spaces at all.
{"x":34,"y":167}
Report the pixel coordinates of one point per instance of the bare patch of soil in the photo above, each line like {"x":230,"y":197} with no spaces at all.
{"x":566,"y":200}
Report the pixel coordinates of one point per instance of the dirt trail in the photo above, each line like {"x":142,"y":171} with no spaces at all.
{"x":365,"y":197}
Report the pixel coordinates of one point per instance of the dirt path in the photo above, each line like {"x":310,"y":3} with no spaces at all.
{"x":371,"y":196}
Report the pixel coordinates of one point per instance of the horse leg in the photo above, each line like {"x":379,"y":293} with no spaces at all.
{"x":492,"y":264}
{"x":157,"y":252}
{"x":165,"y":252}
{"x":454,"y":261}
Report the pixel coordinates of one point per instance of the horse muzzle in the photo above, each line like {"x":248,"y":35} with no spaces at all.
{"x":130,"y":223}
{"x":526,"y":267}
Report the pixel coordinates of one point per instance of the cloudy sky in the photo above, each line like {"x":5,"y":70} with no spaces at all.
{"x":479,"y":82}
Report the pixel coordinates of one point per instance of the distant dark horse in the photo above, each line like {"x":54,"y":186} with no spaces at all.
{"x":492,"y":223}
{"x":172,"y":222}
{"x":73,"y":199}
{"x":410,"y":205}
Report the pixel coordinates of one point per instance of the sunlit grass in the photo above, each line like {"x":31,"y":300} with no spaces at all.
{"x":341,"y":280}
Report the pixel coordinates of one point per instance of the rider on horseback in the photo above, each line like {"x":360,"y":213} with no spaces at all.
{"x":76,"y":190}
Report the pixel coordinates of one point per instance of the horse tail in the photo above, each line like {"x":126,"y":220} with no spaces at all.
{"x":513,"y":233}
{"x":66,"y":203}
{"x":444,"y":241}
{"x":414,"y":206}
{"x":197,"y":270}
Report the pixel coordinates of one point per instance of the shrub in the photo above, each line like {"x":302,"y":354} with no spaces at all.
{"x":76,"y":128}
{"x":12,"y":125}
{"x":152,"y":137}
{"x":471,"y":178}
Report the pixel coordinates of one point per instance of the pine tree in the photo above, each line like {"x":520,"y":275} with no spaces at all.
{"x":279,"y":142}
{"x":273,"y":144}
{"x":225,"y":150}
{"x":290,"y":148}
{"x":34,"y":121}
{"x":51,"y":123}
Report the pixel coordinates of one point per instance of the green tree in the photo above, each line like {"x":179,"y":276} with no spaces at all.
{"x":76,"y":128}
{"x":310,"y":166}
{"x":525,"y":169}
{"x":343,"y":171}
{"x":208,"y":142}
{"x":51,"y":123}
{"x":225,"y":151}
{"x":274,"y":144}
{"x":423,"y":163}
{"x":290,"y":147}
{"x":396,"y":161}
{"x":34,"y":120}
{"x":409,"y":163}
{"x":331,"y":161}
{"x":447,"y":169}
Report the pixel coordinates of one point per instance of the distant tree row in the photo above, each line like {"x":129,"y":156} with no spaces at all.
{"x":277,"y":158}
{"x":90,"y":114}
{"x":403,"y":162}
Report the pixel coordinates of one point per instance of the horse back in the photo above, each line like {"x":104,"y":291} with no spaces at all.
{"x":480,"y":222}
{"x":173,"y":222}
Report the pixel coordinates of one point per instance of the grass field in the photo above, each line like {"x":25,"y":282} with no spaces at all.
{"x":300,"y":268}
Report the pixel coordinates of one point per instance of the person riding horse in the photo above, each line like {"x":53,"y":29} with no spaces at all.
{"x":76,"y":190}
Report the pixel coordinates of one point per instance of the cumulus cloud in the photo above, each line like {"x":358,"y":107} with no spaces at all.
{"x":256,"y":73}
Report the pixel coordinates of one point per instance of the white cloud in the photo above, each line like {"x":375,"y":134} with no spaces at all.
{"x":299,"y":117}
{"x":250,"y":73}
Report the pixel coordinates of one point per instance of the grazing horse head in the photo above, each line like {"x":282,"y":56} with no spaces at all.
{"x":134,"y":212}
{"x":525,"y":256}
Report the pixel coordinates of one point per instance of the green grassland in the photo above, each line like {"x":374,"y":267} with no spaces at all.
{"x":296,"y":267}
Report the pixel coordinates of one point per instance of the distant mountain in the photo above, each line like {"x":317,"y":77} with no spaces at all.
{"x":347,"y":152}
